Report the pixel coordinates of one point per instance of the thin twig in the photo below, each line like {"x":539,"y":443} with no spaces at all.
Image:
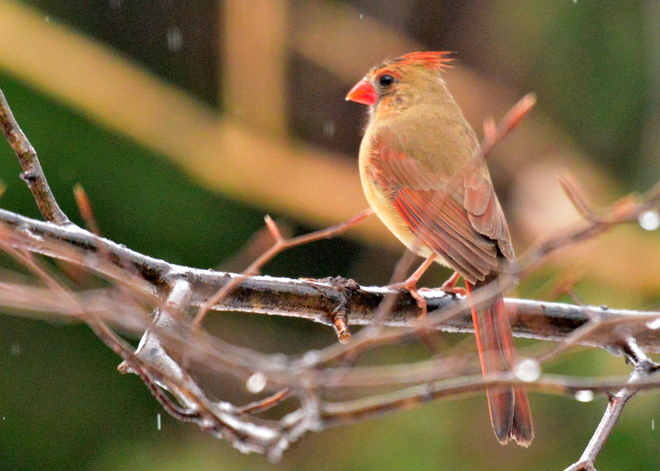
{"x":278,"y":246}
{"x":85,"y":208}
{"x":33,"y":174}
{"x":339,"y":413}
{"x":626,"y":209}
{"x":267,"y":403}
{"x":643,"y":369}
{"x":494,"y":134}
{"x":577,"y":196}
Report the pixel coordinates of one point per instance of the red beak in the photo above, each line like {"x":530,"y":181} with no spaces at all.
{"x":363,"y":92}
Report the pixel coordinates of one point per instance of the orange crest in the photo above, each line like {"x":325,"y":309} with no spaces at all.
{"x":432,"y":59}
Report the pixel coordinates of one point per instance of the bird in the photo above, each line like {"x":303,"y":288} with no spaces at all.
{"x":424,"y":176}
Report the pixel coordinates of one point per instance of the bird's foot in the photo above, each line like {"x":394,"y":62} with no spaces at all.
{"x":411,"y":287}
{"x":449,"y":286}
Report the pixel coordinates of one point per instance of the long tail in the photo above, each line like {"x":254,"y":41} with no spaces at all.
{"x":509,"y":407}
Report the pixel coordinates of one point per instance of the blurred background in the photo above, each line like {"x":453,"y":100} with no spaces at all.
{"x":188,"y":121}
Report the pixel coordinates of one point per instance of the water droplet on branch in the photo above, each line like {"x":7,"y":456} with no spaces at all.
{"x":256,"y":383}
{"x":527,"y":370}
{"x":584,"y":396}
{"x":654,"y":324}
{"x":649,"y":220}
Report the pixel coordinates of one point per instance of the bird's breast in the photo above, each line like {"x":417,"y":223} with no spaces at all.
{"x":380,"y":193}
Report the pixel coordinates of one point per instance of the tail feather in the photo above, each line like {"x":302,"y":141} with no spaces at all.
{"x":509,"y":408}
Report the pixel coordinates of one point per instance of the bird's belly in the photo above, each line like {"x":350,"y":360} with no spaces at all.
{"x":382,"y":204}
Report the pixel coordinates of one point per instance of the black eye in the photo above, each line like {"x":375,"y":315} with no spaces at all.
{"x":386,"y":80}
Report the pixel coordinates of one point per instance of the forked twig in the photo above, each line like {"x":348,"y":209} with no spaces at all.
{"x":627,"y":209}
{"x":279,"y":246}
{"x":643,"y":369}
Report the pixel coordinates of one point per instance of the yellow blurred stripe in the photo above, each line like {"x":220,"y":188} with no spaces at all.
{"x":276,"y":175}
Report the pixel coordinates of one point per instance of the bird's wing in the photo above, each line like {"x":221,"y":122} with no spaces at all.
{"x":457,"y":215}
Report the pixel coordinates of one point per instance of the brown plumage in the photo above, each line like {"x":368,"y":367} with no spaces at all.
{"x":422,"y":174}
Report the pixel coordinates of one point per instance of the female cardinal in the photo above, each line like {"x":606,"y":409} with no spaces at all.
{"x":423,"y":175}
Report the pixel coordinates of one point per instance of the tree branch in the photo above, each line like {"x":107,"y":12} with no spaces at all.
{"x":642,"y":372}
{"x":311,"y":299}
{"x":33,"y":175}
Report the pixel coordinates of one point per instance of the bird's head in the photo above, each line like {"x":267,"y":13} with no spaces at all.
{"x":398,"y":81}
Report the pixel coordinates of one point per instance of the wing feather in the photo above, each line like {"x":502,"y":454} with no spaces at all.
{"x":456,"y":215}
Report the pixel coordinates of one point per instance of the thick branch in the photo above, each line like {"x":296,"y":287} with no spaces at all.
{"x":315,"y":299}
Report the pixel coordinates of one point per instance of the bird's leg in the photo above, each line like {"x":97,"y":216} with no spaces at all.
{"x":449,"y":286}
{"x":410,"y":284}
